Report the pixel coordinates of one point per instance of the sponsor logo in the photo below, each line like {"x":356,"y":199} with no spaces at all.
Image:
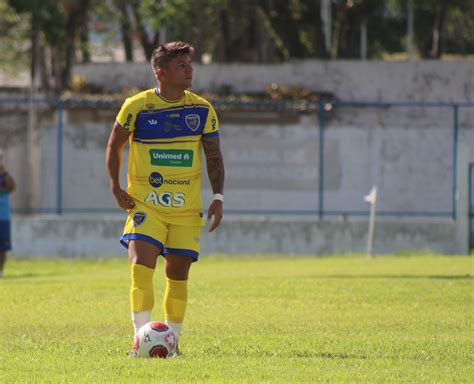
{"x":166,"y":199}
{"x":169,"y":126}
{"x":156,"y":180}
{"x":171,"y":157}
{"x":192,"y":121}
{"x":173,"y":115}
{"x":128,"y":122}
{"x":150,"y":106}
{"x":139,"y":218}
{"x":152,"y":122}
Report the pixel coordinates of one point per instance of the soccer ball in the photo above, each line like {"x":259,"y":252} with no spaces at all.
{"x":156,"y":339}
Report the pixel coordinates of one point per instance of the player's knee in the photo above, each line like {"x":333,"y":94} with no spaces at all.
{"x":177,"y":267}
{"x":143,"y":253}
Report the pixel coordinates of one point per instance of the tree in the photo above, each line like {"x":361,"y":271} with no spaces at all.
{"x":14,"y":29}
{"x":296,"y":27}
{"x":441,"y":26}
{"x":55,"y":27}
{"x":125,"y":28}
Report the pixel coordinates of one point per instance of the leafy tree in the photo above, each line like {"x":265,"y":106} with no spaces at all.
{"x":458,"y":33}
{"x":55,"y":27}
{"x":441,"y":26}
{"x":55,"y":33}
{"x":296,"y":27}
{"x":13,"y":36}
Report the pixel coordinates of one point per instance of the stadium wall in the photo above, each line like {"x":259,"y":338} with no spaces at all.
{"x":274,"y":167}
{"x":98,"y":236}
{"x":407,"y":152}
{"x":432,"y":80}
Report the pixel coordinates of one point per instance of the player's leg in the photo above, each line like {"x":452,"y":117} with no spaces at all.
{"x":182,"y":248}
{"x":3,"y":258}
{"x":144,"y":236}
{"x":5,"y":243}
{"x":142,"y":256}
{"x":175,"y":298}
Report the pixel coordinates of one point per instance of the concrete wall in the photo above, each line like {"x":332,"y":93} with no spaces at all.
{"x":349,"y":80}
{"x":95,"y":236}
{"x":407,"y":152}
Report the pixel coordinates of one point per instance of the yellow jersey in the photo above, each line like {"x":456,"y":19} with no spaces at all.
{"x":164,"y":161}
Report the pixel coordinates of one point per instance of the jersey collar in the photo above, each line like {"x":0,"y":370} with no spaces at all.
{"x":157,"y":93}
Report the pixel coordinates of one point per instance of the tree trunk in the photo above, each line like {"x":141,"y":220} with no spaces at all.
{"x":336,"y":38}
{"x":84,"y":39}
{"x":320,"y":49}
{"x":438,"y":31}
{"x":125,"y":29}
{"x":144,"y":39}
{"x":43,"y":69}
{"x":223,"y":47}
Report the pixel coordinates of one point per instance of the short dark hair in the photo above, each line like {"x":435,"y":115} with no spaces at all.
{"x":167,"y":52}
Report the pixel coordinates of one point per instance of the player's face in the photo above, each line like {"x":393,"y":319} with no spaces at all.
{"x":179,"y":72}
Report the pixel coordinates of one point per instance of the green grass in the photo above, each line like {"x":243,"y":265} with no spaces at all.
{"x":250,"y":319}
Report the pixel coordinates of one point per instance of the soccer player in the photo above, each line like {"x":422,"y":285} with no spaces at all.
{"x":7,"y":185}
{"x":167,"y":128}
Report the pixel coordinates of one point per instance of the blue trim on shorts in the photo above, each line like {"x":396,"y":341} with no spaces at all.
{"x":137,"y":236}
{"x":182,"y":252}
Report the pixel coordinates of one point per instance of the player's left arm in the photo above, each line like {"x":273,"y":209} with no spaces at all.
{"x":215,"y":170}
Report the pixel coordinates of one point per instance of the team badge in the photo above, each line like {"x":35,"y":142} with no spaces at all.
{"x":139,"y":218}
{"x":192,"y":121}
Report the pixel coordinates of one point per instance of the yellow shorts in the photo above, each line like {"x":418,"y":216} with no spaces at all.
{"x":144,"y":224}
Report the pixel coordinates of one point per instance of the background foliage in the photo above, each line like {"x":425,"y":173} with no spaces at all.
{"x":65,"y":32}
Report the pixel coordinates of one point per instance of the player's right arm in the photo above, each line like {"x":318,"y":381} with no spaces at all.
{"x":113,"y":159}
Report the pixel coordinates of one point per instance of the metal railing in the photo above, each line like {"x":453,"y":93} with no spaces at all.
{"x":322,"y":107}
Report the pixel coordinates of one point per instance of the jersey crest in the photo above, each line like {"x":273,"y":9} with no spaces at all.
{"x":192,"y":121}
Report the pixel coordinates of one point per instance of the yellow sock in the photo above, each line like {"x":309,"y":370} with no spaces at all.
{"x":141,"y":290}
{"x":174,"y":302}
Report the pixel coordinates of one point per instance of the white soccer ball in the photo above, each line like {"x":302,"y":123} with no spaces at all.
{"x":156,"y":339}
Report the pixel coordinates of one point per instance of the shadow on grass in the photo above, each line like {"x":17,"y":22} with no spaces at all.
{"x":327,"y":355}
{"x":29,"y":275}
{"x":435,"y":277}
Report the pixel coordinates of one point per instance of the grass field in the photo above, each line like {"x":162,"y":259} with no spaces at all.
{"x":250,"y":319}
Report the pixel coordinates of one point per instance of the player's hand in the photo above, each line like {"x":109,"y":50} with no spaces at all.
{"x":124,"y":200}
{"x":215,"y":209}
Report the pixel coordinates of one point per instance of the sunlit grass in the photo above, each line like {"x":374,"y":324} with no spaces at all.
{"x":250,"y":319}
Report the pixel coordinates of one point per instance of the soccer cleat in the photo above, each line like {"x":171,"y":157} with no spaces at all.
{"x":176,"y":354}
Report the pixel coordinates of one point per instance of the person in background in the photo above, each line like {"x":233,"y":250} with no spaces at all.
{"x":7,"y":185}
